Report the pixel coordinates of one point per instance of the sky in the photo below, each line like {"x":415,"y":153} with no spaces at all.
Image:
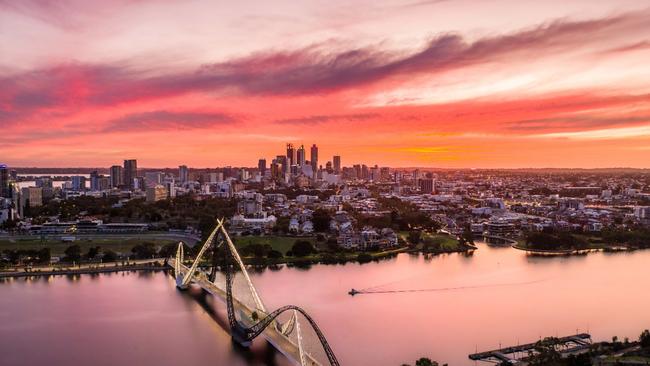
{"x":400,"y":83}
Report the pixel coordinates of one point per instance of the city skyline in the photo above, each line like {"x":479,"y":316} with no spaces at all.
{"x":545,"y":86}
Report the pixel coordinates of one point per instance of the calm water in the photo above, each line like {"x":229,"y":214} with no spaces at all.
{"x":497,"y":295}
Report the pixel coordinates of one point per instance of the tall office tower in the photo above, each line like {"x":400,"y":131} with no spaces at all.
{"x":130,"y":172}
{"x":357,"y":171}
{"x":365,"y":173}
{"x":275,"y":169}
{"x":426,"y":185}
{"x":78,"y":183}
{"x":4,"y":181}
{"x":385,"y":174}
{"x":117,"y":176}
{"x":183,"y":174}
{"x":313,"y":158}
{"x":94,"y":181}
{"x":300,"y":155}
{"x":291,"y":155}
{"x":281,"y":160}
{"x":261,"y":165}
{"x":337,"y":164}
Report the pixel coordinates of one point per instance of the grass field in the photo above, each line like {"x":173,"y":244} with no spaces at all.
{"x":280,"y":243}
{"x":119,"y":245}
{"x":446,"y":242}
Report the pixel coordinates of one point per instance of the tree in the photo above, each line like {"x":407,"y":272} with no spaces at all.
{"x":109,"y":256}
{"x":72,"y":253}
{"x":169,"y":250}
{"x":144,"y":251}
{"x":274,"y":254}
{"x":302,"y":248}
{"x":644,"y":339}
{"x":44,"y":255}
{"x":364,"y":258}
{"x":414,"y":237}
{"x":467,"y":237}
{"x":321,"y":219}
{"x":92,"y":252}
{"x":425,"y":362}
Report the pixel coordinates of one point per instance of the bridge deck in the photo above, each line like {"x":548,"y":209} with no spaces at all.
{"x":281,"y":342}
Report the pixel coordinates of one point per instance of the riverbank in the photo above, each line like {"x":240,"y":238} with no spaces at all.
{"x":326,"y":258}
{"x":568,"y":252}
{"x":154,"y":264}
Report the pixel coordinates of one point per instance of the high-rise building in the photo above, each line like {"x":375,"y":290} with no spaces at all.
{"x":98,"y":182}
{"x":244,"y":175}
{"x":130,"y":172}
{"x":291,"y":155}
{"x":282,"y":162}
{"x":337,"y":164}
{"x":276,"y":171}
{"x":152,"y":179}
{"x":94,"y":181}
{"x":156,"y":193}
{"x":426,"y":185}
{"x":385,"y":174}
{"x":44,"y":182}
{"x":30,"y":196}
{"x":117,"y":176}
{"x":357,"y":171}
{"x":300,"y":156}
{"x":313,"y":158}
{"x":183,"y":174}
{"x":78,"y":183}
{"x":4,"y":181}
{"x":261,"y":165}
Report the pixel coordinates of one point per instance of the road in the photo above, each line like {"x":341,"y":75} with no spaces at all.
{"x":188,"y":239}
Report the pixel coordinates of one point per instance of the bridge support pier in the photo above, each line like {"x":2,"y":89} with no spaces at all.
{"x":239,"y":336}
{"x":179,"y":283}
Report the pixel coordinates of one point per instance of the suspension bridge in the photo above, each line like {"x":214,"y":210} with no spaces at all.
{"x":289,"y":329}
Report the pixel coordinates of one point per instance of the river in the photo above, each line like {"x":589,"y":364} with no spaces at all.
{"x":497,"y":296}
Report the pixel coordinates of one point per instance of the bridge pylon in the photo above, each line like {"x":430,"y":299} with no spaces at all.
{"x":177,"y":265}
{"x":247,"y":314}
{"x":182,"y":282}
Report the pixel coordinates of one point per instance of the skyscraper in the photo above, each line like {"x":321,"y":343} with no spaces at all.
{"x":313,"y":158}
{"x":300,"y":155}
{"x":117,"y":176}
{"x":291,"y":155}
{"x":94,"y":181}
{"x":4,"y":181}
{"x":130,"y":172}
{"x":337,"y":164}
{"x":183,"y":174}
{"x":79,"y":183}
{"x":261,"y":165}
{"x":426,"y":185}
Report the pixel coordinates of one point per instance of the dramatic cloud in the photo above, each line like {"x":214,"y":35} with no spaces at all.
{"x":306,"y":71}
{"x":164,"y":120}
{"x":397,"y":85}
{"x":312,"y":120}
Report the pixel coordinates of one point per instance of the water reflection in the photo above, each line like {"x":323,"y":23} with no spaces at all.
{"x":500,"y":295}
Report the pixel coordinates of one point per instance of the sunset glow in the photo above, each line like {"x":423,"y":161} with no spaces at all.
{"x":498,"y":84}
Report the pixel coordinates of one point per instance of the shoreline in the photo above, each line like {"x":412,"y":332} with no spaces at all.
{"x":568,"y":252}
{"x":150,"y":266}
